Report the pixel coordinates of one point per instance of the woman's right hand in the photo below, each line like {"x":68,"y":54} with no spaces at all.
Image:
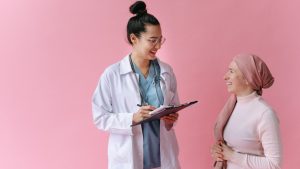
{"x":217,"y":151}
{"x":142,"y":114}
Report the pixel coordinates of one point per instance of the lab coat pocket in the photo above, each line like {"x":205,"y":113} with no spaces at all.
{"x":120,"y":149}
{"x":121,"y":131}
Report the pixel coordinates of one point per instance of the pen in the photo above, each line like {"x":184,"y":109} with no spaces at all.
{"x":140,"y":105}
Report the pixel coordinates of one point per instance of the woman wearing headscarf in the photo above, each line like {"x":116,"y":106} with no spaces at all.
{"x":247,"y":128}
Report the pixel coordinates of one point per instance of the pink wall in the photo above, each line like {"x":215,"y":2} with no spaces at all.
{"x":52,"y":53}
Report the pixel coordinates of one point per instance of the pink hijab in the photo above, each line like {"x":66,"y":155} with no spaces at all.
{"x":258,"y":76}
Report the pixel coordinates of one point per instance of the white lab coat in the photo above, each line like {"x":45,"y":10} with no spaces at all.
{"x":114,"y":102}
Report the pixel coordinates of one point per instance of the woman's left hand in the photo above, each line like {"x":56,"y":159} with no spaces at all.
{"x":170,"y":120}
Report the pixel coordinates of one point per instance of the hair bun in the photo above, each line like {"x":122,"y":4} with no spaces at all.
{"x":139,"y":7}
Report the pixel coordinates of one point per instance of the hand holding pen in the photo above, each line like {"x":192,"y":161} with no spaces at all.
{"x":142,"y":113}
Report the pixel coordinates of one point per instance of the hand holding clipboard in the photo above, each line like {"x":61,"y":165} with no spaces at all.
{"x":164,"y":111}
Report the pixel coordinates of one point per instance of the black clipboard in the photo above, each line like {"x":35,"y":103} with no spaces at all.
{"x":166,"y":111}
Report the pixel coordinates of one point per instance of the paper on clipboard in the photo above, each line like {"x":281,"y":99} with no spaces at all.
{"x":159,"y":110}
{"x":164,"y":111}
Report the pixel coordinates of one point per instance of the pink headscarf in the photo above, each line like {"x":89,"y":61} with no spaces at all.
{"x":258,"y":76}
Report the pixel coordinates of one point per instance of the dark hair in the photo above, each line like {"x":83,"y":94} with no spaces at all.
{"x":136,"y":24}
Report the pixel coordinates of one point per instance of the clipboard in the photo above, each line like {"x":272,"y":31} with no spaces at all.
{"x":164,"y":111}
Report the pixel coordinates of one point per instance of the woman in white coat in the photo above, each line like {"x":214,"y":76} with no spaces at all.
{"x":128,"y":91}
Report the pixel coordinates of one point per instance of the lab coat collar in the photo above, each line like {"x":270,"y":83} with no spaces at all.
{"x":163,"y":67}
{"x":125,"y":66}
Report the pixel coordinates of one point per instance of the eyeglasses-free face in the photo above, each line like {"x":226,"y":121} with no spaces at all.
{"x":235,"y":81}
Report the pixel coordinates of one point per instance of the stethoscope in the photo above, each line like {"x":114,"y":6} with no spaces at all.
{"x":156,"y":81}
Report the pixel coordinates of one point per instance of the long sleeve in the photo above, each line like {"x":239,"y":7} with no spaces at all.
{"x":103,"y":115}
{"x":268,"y":129}
{"x":175,"y":99}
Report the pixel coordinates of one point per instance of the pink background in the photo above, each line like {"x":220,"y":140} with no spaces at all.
{"x":52,"y":53}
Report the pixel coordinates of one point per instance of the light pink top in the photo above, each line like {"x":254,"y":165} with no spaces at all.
{"x":253,"y":132}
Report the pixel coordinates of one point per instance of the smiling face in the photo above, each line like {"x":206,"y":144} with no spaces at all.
{"x":235,"y":81}
{"x":148,"y":43}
